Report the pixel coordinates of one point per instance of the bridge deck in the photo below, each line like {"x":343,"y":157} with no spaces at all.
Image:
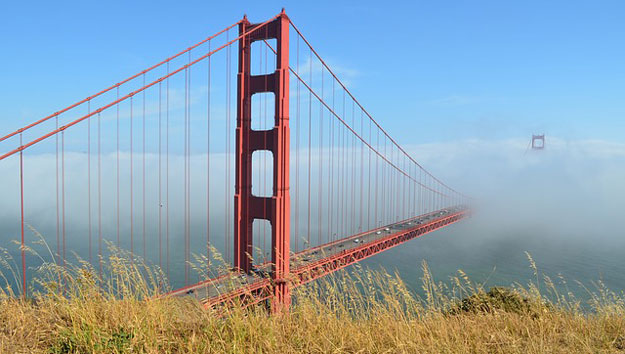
{"x":315,"y":262}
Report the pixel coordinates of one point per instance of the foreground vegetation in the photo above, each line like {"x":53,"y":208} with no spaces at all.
{"x":356,"y":312}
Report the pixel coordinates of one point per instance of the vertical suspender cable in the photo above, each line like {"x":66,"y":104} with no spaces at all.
{"x":407,"y":189}
{"x":384,"y":187}
{"x":377,"y":181}
{"x":143,"y":172}
{"x":369,"y":181}
{"x":404,"y":192}
{"x":392,"y":195}
{"x":89,"y":177}
{"x":390,"y":192}
{"x":390,"y":183}
{"x":432,"y":195}
{"x":99,"y":196}
{"x":415,"y":192}
{"x":415,"y":188}
{"x":420,"y":195}
{"x":132,"y":242}
{"x":410,"y":211}
{"x":401,"y":184}
{"x":331,"y":167}
{"x":319,"y":183}
{"x":342,"y":164}
{"x":117,"y":169}
{"x":353,"y":179}
{"x":160,"y":177}
{"x":348,"y":219}
{"x":344,"y":174}
{"x":167,"y":171}
{"x":208,"y":165}
{"x":397,"y":192}
{"x":362,"y":172}
{"x":189,"y":163}
{"x":340,"y":169}
{"x":58,"y":228}
{"x":63,"y":191}
{"x":184,"y":222}
{"x":309,"y":150}
{"x":22,"y":246}
{"x":344,"y":168}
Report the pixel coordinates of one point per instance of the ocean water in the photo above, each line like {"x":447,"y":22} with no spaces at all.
{"x":497,"y":256}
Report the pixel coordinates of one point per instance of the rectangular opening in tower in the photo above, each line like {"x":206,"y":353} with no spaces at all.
{"x":263,"y":108}
{"x":262,"y":173}
{"x":261,"y":241}
{"x":262,"y":58}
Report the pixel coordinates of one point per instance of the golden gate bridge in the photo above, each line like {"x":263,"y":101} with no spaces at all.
{"x":276,"y":171}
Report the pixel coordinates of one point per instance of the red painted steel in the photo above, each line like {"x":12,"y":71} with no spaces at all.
{"x":247,"y":206}
{"x":258,"y":291}
{"x":345,"y":258}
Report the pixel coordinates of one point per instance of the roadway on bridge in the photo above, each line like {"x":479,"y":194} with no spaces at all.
{"x":231,"y":282}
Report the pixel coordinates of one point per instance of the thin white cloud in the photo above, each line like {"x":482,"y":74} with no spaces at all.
{"x":455,"y":100}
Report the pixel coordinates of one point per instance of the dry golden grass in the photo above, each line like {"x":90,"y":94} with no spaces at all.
{"x":356,"y":312}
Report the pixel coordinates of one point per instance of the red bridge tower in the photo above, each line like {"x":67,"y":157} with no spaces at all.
{"x":247,"y":207}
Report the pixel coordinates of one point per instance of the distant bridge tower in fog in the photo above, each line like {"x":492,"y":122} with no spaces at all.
{"x":538,"y":142}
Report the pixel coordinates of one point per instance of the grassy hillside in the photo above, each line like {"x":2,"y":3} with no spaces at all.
{"x":360,"y":312}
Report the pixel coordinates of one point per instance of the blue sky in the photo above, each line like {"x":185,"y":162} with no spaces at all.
{"x":429,"y":71}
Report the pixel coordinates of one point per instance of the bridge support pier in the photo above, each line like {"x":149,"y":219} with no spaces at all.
{"x":247,"y":207}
